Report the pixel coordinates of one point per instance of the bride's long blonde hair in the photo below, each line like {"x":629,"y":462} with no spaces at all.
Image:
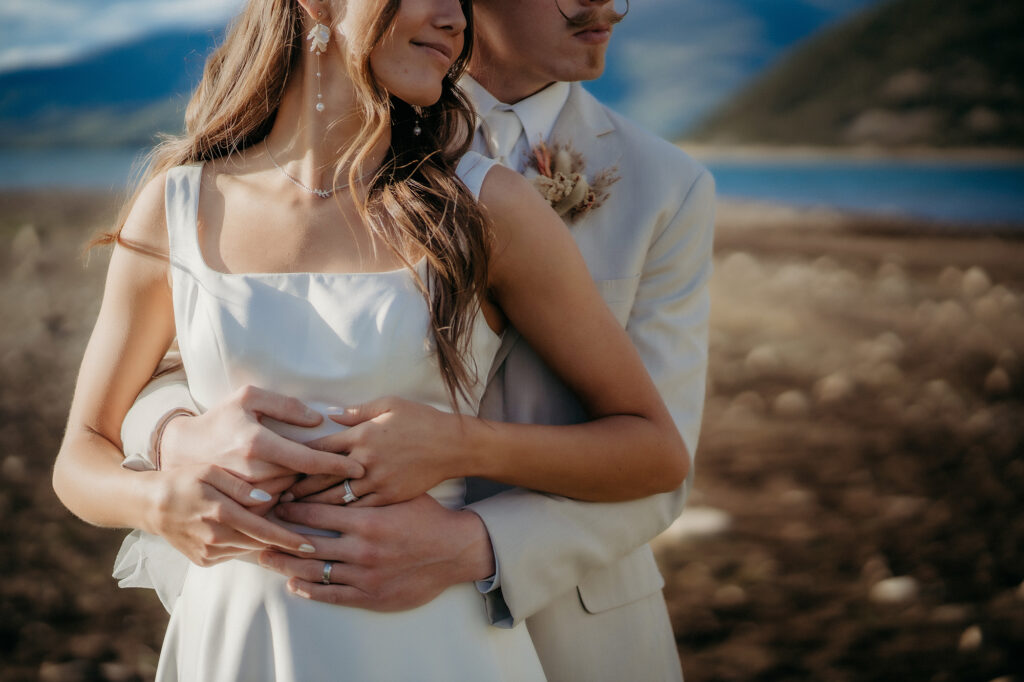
{"x":414,"y":203}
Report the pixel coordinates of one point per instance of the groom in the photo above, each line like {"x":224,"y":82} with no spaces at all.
{"x":580,"y":574}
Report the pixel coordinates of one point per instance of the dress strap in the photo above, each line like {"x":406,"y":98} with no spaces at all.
{"x":472,"y":169}
{"x":181,"y":197}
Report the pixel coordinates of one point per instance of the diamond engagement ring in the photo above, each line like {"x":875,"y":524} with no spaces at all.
{"x":349,"y":495}
{"x":325,"y":574}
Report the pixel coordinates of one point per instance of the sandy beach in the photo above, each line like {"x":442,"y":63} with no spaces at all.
{"x":860,"y":477}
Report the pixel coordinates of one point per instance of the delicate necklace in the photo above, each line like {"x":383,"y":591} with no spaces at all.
{"x":322,"y":193}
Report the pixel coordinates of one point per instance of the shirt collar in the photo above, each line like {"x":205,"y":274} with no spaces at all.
{"x":538,"y":112}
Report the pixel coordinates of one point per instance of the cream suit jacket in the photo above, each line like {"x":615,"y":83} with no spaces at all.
{"x":581,"y":574}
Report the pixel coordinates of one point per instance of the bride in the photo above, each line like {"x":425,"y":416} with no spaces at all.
{"x":321,"y":229}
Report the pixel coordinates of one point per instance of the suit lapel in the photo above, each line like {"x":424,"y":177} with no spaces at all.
{"x":585,"y":125}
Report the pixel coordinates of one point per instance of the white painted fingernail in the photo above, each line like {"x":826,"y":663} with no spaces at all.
{"x":260,"y":495}
{"x":307,"y":548}
{"x":334,"y":410}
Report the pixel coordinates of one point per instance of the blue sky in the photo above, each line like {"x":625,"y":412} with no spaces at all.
{"x":55,"y":31}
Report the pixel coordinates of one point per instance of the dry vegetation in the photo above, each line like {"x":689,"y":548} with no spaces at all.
{"x":857,"y":510}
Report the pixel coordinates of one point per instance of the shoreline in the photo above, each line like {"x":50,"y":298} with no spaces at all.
{"x":764,"y":152}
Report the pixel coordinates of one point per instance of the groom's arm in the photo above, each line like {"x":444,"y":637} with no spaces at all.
{"x":545,"y":545}
{"x":163,"y":398}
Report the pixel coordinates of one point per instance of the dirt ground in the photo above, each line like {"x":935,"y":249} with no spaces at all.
{"x":857,"y":511}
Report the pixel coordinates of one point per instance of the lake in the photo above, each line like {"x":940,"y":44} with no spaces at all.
{"x":983,"y":193}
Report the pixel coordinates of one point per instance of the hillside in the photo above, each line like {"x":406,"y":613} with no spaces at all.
{"x":668,"y":65}
{"x":908,"y":72}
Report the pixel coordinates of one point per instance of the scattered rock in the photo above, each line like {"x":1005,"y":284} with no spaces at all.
{"x":971,"y":639}
{"x":898,"y":590}
{"x":950,"y":614}
{"x":1007,"y":359}
{"x":796,"y":497}
{"x":951,"y":278}
{"x":791,"y":404}
{"x":950,"y":316}
{"x":834,"y":388}
{"x":797,"y":531}
{"x":939,"y":395}
{"x":13,"y":469}
{"x":876,"y":569}
{"x":975,"y":282}
{"x":825,"y":264}
{"x":981,"y":423}
{"x":118,"y":672}
{"x":698,"y":522}
{"x":72,"y":671}
{"x":741,"y":265}
{"x":904,"y":506}
{"x":997,"y":383}
{"x":730,"y":596}
{"x":762,"y":360}
{"x":883,"y":374}
{"x":90,"y":646}
{"x":987,"y":309}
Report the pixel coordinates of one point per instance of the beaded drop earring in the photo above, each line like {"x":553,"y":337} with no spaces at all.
{"x":319,"y":37}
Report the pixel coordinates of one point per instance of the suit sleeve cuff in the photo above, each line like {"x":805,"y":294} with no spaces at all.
{"x":493,"y":583}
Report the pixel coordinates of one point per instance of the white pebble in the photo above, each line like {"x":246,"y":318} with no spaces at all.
{"x":791,"y":404}
{"x":730,"y":595}
{"x":894,"y":590}
{"x":698,"y":522}
{"x":763,"y":359}
{"x":741,"y":265}
{"x":976,"y":282}
{"x":834,"y":388}
{"x":997,"y":382}
{"x":971,"y":639}
{"x":13,"y":469}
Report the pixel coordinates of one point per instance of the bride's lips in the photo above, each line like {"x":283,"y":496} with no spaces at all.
{"x":439,"y":50}
{"x":595,"y":34}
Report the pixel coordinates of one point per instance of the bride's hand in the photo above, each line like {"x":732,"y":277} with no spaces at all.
{"x":210,"y":516}
{"x":406,"y":448}
{"x":231,"y":435}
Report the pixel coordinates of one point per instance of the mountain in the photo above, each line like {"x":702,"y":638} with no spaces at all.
{"x":670,"y":62}
{"x":907,"y":72}
{"x":119,"y":96}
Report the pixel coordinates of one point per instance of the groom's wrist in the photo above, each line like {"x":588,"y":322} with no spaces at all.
{"x":476,"y":560}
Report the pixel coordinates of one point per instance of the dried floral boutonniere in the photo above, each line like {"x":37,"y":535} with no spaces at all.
{"x":561,"y":180}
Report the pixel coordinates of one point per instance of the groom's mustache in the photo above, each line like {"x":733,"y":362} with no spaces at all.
{"x":592,"y":17}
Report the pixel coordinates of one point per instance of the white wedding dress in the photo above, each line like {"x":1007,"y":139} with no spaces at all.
{"x":326,"y":339}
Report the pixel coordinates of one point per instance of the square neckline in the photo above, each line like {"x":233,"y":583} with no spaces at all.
{"x":193,"y":228}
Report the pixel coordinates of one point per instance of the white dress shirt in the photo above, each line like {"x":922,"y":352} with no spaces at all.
{"x":537,"y":115}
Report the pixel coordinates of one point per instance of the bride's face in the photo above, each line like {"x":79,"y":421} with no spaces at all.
{"x":424,"y":40}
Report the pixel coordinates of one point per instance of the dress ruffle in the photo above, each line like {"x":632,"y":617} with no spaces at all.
{"x":149,"y":561}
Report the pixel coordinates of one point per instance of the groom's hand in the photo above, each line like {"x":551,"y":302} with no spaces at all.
{"x":390,"y":558}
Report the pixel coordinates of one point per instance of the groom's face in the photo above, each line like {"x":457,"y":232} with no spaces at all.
{"x":532,"y":39}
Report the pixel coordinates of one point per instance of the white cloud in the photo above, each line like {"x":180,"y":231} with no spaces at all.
{"x":35,"y":32}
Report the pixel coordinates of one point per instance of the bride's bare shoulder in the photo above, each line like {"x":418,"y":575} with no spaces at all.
{"x":146,"y":224}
